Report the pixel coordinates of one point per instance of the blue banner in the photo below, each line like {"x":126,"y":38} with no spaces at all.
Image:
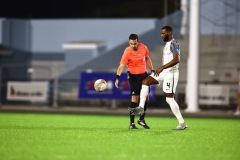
{"x":86,"y":86}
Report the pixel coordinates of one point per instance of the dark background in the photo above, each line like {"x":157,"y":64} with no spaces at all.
{"x":87,"y":8}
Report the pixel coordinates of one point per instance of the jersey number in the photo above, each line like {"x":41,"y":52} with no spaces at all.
{"x":168,"y":84}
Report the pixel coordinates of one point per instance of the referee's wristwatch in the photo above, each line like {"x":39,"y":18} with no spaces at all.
{"x":117,"y":77}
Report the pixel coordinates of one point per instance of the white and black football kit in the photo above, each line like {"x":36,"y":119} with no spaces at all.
{"x":169,"y":77}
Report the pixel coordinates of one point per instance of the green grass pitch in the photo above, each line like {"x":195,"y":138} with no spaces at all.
{"x":28,"y":136}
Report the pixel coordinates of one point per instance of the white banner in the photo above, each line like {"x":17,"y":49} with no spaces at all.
{"x":27,"y":91}
{"x":212,"y":94}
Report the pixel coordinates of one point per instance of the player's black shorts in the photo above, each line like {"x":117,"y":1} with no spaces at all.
{"x":135,"y":82}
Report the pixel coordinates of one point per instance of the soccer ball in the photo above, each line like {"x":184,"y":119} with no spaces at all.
{"x":100,"y":85}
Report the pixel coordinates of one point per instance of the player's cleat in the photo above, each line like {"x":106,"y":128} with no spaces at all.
{"x":137,"y":110}
{"x":143,"y":123}
{"x":132,"y":126}
{"x":237,"y":113}
{"x":181,"y":126}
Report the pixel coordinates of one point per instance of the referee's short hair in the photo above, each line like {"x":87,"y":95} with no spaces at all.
{"x":133,"y":36}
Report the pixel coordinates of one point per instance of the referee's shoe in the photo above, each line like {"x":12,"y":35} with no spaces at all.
{"x":143,"y":123}
{"x":132,"y":126}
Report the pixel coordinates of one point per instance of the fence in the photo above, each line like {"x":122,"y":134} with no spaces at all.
{"x":64,"y":92}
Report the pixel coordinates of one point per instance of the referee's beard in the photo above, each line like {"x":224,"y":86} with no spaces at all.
{"x":135,"y":48}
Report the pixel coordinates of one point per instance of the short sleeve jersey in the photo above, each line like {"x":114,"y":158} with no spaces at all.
{"x":135,"y":60}
{"x":169,"y":50}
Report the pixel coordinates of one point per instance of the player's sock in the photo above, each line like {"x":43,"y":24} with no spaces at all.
{"x":143,"y":95}
{"x":175,"y":109}
{"x":142,"y":116}
{"x":132,"y":114}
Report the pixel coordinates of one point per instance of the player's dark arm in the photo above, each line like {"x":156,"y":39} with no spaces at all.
{"x":173,"y":62}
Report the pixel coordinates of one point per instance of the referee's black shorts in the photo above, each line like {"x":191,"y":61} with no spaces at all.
{"x":135,"y":82}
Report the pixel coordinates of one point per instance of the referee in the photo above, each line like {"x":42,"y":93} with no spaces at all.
{"x":135,"y":57}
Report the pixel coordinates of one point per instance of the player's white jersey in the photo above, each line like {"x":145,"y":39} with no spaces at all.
{"x":172,"y":47}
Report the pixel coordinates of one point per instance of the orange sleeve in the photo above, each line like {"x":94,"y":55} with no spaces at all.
{"x":125,"y":57}
{"x":147,"y":51}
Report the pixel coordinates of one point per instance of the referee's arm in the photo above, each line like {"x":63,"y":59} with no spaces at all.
{"x":118,"y":74}
{"x":149,"y":63}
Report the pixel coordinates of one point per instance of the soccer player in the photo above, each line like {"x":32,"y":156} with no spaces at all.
{"x":135,"y":57}
{"x":167,"y":74}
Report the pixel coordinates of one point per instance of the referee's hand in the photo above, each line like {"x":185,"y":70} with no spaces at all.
{"x":116,"y":83}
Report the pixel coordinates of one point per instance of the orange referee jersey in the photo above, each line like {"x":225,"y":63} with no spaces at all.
{"x":135,"y":60}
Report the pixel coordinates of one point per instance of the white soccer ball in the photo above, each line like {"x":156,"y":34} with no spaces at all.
{"x":100,"y":85}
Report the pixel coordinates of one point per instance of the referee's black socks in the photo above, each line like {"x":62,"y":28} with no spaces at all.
{"x":132,"y":115}
{"x":142,"y":116}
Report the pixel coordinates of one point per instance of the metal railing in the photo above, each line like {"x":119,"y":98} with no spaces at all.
{"x":65,"y":92}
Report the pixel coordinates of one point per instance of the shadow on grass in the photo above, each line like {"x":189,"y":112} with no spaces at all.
{"x":91,"y":129}
{"x":39,"y":128}
{"x":116,"y":130}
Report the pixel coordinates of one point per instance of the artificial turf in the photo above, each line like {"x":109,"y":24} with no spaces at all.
{"x":28,"y":136}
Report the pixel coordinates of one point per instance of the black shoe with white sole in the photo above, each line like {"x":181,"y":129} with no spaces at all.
{"x":143,"y":123}
{"x":132,"y":126}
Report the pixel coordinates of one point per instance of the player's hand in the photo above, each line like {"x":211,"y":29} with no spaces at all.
{"x":158,"y":71}
{"x":116,"y":83}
